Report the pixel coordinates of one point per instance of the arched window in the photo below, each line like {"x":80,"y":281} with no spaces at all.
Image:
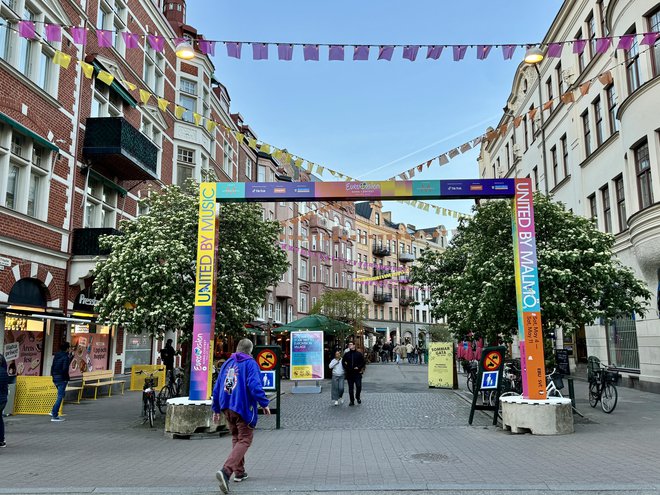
{"x":28,"y":292}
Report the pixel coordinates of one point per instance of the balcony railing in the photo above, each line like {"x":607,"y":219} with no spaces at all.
{"x":380,"y":298}
{"x":381,"y":251}
{"x":406,"y":257}
{"x":86,"y":241}
{"x":406,"y":301}
{"x":124,"y":150}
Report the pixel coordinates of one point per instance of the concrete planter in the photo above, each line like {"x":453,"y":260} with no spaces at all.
{"x":185,"y":417}
{"x":553,"y":416}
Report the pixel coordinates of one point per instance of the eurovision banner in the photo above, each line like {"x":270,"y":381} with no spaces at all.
{"x":306,"y":356}
{"x":441,"y":369}
{"x":527,"y":292}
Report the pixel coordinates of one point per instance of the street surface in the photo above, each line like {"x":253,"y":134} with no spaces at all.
{"x":404,"y":438}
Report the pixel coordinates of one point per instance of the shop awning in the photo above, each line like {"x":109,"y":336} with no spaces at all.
{"x":31,"y":134}
{"x":46,"y":316}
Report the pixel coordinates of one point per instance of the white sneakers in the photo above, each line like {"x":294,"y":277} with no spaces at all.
{"x":336,"y":403}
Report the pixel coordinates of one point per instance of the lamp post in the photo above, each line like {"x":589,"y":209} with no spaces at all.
{"x":534,"y":56}
{"x":269,"y":327}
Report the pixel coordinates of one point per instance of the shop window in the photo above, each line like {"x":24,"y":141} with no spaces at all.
{"x":23,"y":344}
{"x":622,"y":346}
{"x":138,"y":350}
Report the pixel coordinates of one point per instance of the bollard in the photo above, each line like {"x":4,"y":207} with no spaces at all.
{"x":571,"y":391}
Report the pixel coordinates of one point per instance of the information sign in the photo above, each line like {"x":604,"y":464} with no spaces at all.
{"x":306,"y":355}
{"x":268,"y":380}
{"x":440,"y":370}
{"x":489,"y":380}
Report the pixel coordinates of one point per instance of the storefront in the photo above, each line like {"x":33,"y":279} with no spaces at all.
{"x":24,"y":338}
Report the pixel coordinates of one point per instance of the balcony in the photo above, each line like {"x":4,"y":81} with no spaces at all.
{"x":380,"y":298}
{"x":381,"y":251}
{"x":318,"y":222}
{"x":406,"y":257}
{"x":86,"y":241}
{"x":406,"y":301}
{"x":404,"y":279}
{"x":125,"y":151}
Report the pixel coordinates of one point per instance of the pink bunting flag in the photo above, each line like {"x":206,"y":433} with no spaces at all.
{"x":132,"y":40}
{"x":603,"y":44}
{"x":385,"y":53}
{"x":459,"y":52}
{"x":285,"y":51}
{"x":79,"y":35}
{"x":26,"y":30}
{"x":259,"y":51}
{"x":650,"y":38}
{"x":555,"y":49}
{"x":234,"y":49}
{"x":207,"y":47}
{"x":361,"y":52}
{"x":626,"y":42}
{"x":434,"y":52}
{"x":410,"y":52}
{"x":53,"y":32}
{"x":336,"y":52}
{"x":104,"y":38}
{"x":157,"y":43}
{"x":508,"y":51}
{"x":579,"y":46}
{"x":311,"y":52}
{"x":483,"y":51}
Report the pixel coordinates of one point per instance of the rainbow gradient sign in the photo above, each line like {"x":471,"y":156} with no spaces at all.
{"x":526,"y":269}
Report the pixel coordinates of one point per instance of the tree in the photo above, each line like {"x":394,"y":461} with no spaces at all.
{"x":472,"y":282}
{"x":342,"y":305}
{"x":147,"y":282}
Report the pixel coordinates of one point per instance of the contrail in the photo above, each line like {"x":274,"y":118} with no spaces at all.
{"x":446,"y":138}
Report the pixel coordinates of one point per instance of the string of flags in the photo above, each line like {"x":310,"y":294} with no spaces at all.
{"x":336,"y":51}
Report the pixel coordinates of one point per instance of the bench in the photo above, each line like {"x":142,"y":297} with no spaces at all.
{"x":97,"y":379}
{"x":70,"y":388}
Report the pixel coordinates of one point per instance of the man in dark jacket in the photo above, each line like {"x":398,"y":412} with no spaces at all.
{"x":4,"y":394}
{"x":353,"y":363}
{"x":60,"y":373}
{"x":167,"y":354}
{"x":237,"y":393}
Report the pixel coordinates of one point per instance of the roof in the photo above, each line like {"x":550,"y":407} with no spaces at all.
{"x":363,"y":209}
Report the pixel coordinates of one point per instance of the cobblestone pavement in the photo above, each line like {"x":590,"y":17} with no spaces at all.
{"x":404,"y":437}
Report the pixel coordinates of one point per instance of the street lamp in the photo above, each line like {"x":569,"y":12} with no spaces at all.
{"x":534,"y":56}
{"x":184,"y":50}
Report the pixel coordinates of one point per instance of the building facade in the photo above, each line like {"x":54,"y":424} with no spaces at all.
{"x":599,"y":155}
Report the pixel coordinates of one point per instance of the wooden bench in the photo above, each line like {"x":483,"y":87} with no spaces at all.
{"x":97,"y":379}
{"x":79,"y":388}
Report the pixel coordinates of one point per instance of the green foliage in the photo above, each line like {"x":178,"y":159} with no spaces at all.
{"x":439,"y":332}
{"x":147,"y":282}
{"x":342,"y":305}
{"x":473,"y":284}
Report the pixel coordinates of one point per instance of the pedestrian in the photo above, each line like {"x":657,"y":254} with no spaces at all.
{"x":420,"y":354}
{"x":338,"y":375}
{"x":4,"y":394}
{"x":59,"y":371}
{"x":397,"y":353}
{"x":404,"y":352}
{"x":391,"y":349}
{"x":409,"y":351}
{"x":167,"y":355}
{"x":353,"y":362}
{"x":237,"y":394}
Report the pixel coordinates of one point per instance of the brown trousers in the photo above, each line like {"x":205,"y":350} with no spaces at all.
{"x":241,"y":439}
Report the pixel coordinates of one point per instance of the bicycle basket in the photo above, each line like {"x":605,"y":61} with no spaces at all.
{"x":612,"y":377}
{"x":558,"y":380}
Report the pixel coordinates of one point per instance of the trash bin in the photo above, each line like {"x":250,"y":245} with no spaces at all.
{"x":9,"y":408}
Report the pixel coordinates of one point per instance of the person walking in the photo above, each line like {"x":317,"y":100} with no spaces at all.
{"x":59,"y":371}
{"x":4,"y":395}
{"x":397,"y":353}
{"x":338,"y":375}
{"x":409,"y":352}
{"x":404,"y":352}
{"x":167,"y":355}
{"x":237,"y":394}
{"x":353,"y":363}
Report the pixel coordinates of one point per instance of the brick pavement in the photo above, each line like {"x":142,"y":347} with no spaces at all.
{"x":404,"y":437}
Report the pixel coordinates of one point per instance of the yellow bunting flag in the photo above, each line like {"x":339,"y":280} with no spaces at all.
{"x":320,"y":169}
{"x":129,"y":85}
{"x":265,"y":148}
{"x":298,"y":162}
{"x":240,"y":136}
{"x":309,"y":168}
{"x":105,"y":77}
{"x":252,"y":143}
{"x":197,"y":117}
{"x":62,"y":59}
{"x":210,"y":126}
{"x":179,"y":111}
{"x":277,"y":154}
{"x":88,"y":69}
{"x":163,"y":104}
{"x":144,"y":96}
{"x":332,"y":172}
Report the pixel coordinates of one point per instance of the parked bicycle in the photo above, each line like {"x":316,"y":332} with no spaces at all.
{"x":472,"y":376}
{"x":148,"y":397}
{"x":602,"y":387}
{"x":171,"y":390}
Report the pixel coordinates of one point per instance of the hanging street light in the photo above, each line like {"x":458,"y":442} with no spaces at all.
{"x":184,"y":50}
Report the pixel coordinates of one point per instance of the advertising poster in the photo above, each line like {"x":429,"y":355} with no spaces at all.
{"x":306,"y":355}
{"x":28,"y":360}
{"x":441,"y":367}
{"x":90,"y":353}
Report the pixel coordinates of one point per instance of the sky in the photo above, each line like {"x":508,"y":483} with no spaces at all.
{"x":373,"y":119}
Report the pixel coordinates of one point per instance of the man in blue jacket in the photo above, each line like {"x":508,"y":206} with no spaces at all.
{"x":59,"y":370}
{"x":237,"y":393}
{"x":4,"y":394}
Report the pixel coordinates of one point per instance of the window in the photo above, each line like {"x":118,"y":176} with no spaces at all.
{"x":535,"y":173}
{"x":525,"y":131}
{"x":654,"y":27}
{"x":611,"y":108}
{"x":591,"y":34}
{"x":607,"y":210}
{"x":533,"y":121}
{"x":555,"y":165}
{"x":227,"y":155}
{"x":603,"y":19}
{"x":188,"y":98}
{"x":600,"y":125}
{"x":303,"y":269}
{"x":560,"y":79}
{"x":508,"y":156}
{"x":302,"y":302}
{"x":314,"y":273}
{"x":336,"y":280}
{"x":621,"y":203}
{"x":377,"y":218}
{"x":564,"y":154}
{"x":593,"y":209}
{"x":586,"y":129}
{"x":154,"y":69}
{"x":632,"y":64}
{"x":278,"y":311}
{"x":581,"y":60}
{"x":261,"y":173}
{"x":105,"y":102}
{"x":549,"y":90}
{"x":185,"y":165}
{"x":249,"y":167}
{"x":100,"y":205}
{"x":643,"y":171}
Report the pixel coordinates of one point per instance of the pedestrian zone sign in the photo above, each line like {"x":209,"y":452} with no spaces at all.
{"x":489,"y":380}
{"x":268,"y":379}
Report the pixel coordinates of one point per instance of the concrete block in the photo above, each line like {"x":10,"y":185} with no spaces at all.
{"x":185,"y":417}
{"x":553,"y":416}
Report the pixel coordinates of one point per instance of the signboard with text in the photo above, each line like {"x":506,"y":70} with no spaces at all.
{"x":440,"y":370}
{"x":306,"y":355}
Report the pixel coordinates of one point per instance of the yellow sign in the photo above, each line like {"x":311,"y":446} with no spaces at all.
{"x":35,"y":395}
{"x":301,"y":372}
{"x":206,"y":231}
{"x":441,"y":370}
{"x":381,"y":277}
{"x":137,"y":379}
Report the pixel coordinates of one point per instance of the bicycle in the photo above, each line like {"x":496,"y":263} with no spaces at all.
{"x":554,"y":384}
{"x":472,"y":376}
{"x":602,"y":388}
{"x":148,"y":398}
{"x":171,"y":390}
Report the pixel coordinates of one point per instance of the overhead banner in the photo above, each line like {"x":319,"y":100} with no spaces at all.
{"x":306,"y":355}
{"x":440,"y":370}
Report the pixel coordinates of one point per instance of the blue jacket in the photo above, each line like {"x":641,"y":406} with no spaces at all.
{"x":239,"y":388}
{"x":59,"y":370}
{"x":4,"y":380}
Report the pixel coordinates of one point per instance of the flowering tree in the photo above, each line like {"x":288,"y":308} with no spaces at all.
{"x":147,"y":282}
{"x":473,"y":285}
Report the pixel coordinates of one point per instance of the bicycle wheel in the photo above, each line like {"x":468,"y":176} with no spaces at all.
{"x":164,"y":394}
{"x":594,"y":396}
{"x":470,"y":382}
{"x":151,"y":412}
{"x":609,"y":398}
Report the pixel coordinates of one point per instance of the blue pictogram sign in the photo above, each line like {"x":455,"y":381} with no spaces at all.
{"x":489,"y":380}
{"x":268,"y":380}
